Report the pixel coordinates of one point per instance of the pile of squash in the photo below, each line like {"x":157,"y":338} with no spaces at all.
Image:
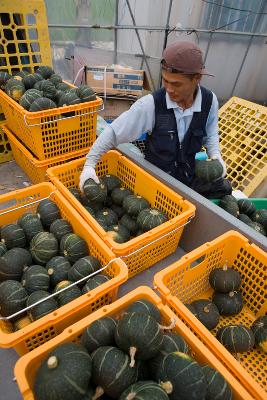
{"x":246,"y":211}
{"x":40,"y":255}
{"x":227,"y":301}
{"x":43,"y":90}
{"x":121,"y":213}
{"x":128,"y":358}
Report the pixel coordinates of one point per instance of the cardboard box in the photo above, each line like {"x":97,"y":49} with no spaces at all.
{"x":117,"y":80}
{"x":115,"y":106}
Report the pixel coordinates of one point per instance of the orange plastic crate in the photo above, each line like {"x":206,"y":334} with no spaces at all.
{"x":187,"y":280}
{"x":35,"y":169}
{"x":27,"y":366}
{"x":142,"y":183}
{"x":12,"y":206}
{"x":5,"y":148}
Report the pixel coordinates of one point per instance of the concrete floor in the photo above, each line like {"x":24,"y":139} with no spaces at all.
{"x":12,"y":177}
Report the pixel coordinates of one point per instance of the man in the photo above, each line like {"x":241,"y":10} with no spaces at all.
{"x":179,"y":118}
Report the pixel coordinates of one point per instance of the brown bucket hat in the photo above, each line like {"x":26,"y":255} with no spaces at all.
{"x":184,"y":58}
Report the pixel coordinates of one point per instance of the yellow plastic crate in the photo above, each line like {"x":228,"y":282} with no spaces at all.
{"x":243,"y":127}
{"x":155,"y":244}
{"x":24,"y":32}
{"x":5,"y":149}
{"x":188,"y":279}
{"x":35,"y":169}
{"x":12,"y":206}
{"x":26,"y":367}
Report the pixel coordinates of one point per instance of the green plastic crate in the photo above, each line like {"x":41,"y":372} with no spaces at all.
{"x":259,"y":203}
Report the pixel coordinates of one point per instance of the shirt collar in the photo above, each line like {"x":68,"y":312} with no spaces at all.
{"x":196,"y":106}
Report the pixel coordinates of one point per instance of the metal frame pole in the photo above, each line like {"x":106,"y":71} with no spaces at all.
{"x":165,"y":39}
{"x":115,"y":58}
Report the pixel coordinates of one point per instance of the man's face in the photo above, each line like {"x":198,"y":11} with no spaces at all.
{"x":178,"y":86}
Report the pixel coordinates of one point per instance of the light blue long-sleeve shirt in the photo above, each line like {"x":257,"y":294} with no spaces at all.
{"x":140,"y":118}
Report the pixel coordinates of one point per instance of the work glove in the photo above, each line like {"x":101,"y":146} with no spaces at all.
{"x":219,"y":158}
{"x":87,"y":173}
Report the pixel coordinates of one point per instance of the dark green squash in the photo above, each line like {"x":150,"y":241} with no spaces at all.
{"x":111,"y":181}
{"x":28,"y":98}
{"x":31,"y":225}
{"x":134,"y":204}
{"x":48,"y":212}
{"x":55,"y":79}
{"x":129,"y":223}
{"x":108,"y":202}
{"x":82,"y":268}
{"x":4,"y":77}
{"x":12,"y":235}
{"x":217,"y":387}
{"x":13,"y":262}
{"x":259,"y":329}
{"x":35,"y":278}
{"x":119,"y":194}
{"x":143,"y":343}
{"x":246,"y":206}
{"x":21,"y":73}
{"x":45,"y":71}
{"x":106,"y":217}
{"x":144,"y":390}
{"x":95,"y":192}
{"x":73,"y":247}
{"x":118,"y":233}
{"x":90,"y":210}
{"x":30,"y":80}
{"x":69,"y":98}
{"x":229,"y":204}
{"x":111,"y":370}
{"x":13,"y":298}
{"x":94,"y":282}
{"x":64,"y":374}
{"x":208,"y":170}
{"x":145,"y":306}
{"x":99,"y":333}
{"x":225,"y":280}
{"x":149,"y":218}
{"x":3,"y":249}
{"x":257,"y":227}
{"x":236,"y":338}
{"x":60,"y":227}
{"x":41,"y":309}
{"x":86,"y":93}
{"x":43,"y":103}
{"x":260,"y":216}
{"x":48,"y":89}
{"x":43,"y":247}
{"x":228,"y":303}
{"x":15,"y":88}
{"x":75,"y":192}
{"x":67,"y":295}
{"x":206,"y":312}
{"x":57,"y":269}
{"x":62,"y":86}
{"x":182,"y":377}
{"x":118,"y":210}
{"x":244,"y":218}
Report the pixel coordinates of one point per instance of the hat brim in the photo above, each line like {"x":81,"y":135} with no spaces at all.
{"x":174,"y":70}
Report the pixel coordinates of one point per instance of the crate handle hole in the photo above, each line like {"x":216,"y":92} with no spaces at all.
{"x":198,"y":261}
{"x":55,"y":314}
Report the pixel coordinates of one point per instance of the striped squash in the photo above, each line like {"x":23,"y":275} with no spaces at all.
{"x":3,"y":249}
{"x":86,"y":93}
{"x":95,"y":192}
{"x":207,"y":313}
{"x":55,"y":79}
{"x":13,"y":262}
{"x":4,"y":77}
{"x":31,"y":225}
{"x":236,"y":338}
{"x":57,"y":269}
{"x":13,"y":298}
{"x":119,"y":194}
{"x":12,"y":235}
{"x":47,"y":88}
{"x":68,"y":295}
{"x":99,"y":333}
{"x":146,"y":307}
{"x":111,"y":182}
{"x":144,"y":390}
{"x":246,"y":207}
{"x":43,"y":103}
{"x":35,"y":278}
{"x":259,"y":328}
{"x":64,"y":374}
{"x":134,"y":204}
{"x":106,"y":217}
{"x":94,"y":282}
{"x":45,"y":71}
{"x":225,"y":280}
{"x":43,"y":247}
{"x":149,"y":218}
{"x":28,"y":98}
{"x":73,"y":247}
{"x":118,"y":233}
{"x":83,"y":267}
{"x":15,"y":89}
{"x":31,"y":79}
{"x":48,"y":212}
{"x":130,"y":223}
{"x":41,"y":309}
{"x":228,"y":303}
{"x":217,"y":387}
{"x":60,"y":227}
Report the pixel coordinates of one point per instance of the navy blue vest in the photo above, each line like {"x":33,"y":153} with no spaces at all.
{"x":163,"y":148}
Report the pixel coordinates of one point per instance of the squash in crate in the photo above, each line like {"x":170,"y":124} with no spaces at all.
{"x":207,"y":312}
{"x":12,"y":235}
{"x":4,"y":77}
{"x":246,"y":207}
{"x":43,"y":308}
{"x":119,"y":194}
{"x":35,"y":278}
{"x":13,"y":262}
{"x":28,"y":98}
{"x":15,"y":89}
{"x":96,"y":192}
{"x":111,"y":181}
{"x":236,"y":338}
{"x":67,"y":295}
{"x":94,"y":282}
{"x":60,"y":227}
{"x":43,"y":247}
{"x":134,"y":204}
{"x":31,"y":225}
{"x":150,"y":218}
{"x":13,"y":298}
{"x":82,"y":268}
{"x":43,"y":103}
{"x":129,"y":223}
{"x":145,"y":307}
{"x":225,"y":280}
{"x":47,"y":88}
{"x":48,"y":212}
{"x":99,"y":333}
{"x":144,"y":390}
{"x":118,"y":233}
{"x":3,"y":249}
{"x":228,"y":303}
{"x":259,"y":328}
{"x":55,"y":79}
{"x":217,"y":387}
{"x":86,"y":93}
{"x":45,"y":71}
{"x":260,"y":216}
{"x":106,"y":217}
{"x":57,"y":269}
{"x":30,"y":80}
{"x":73,"y":247}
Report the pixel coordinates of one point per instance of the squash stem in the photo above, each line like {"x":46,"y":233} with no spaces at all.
{"x":132,"y":353}
{"x":131,"y":396}
{"x":98,"y":393}
{"x":52,"y":362}
{"x":225,"y":267}
{"x":167,"y":386}
{"x":171,"y":326}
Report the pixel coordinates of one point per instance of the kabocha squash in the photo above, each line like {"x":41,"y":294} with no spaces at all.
{"x":47,"y":88}
{"x":69,"y":98}
{"x":35,"y":278}
{"x":257,"y":227}
{"x":30,"y":80}
{"x":15,"y":89}
{"x":73,"y":247}
{"x":22,"y":73}
{"x":129,"y":223}
{"x":94,"y":282}
{"x":13,"y":298}
{"x":86,"y":93}
{"x":43,"y":247}
{"x":3,"y":249}
{"x":99,"y":333}
{"x":75,"y":192}
{"x":96,"y":192}
{"x":246,"y":206}
{"x":206,"y":312}
{"x":31,"y":225}
{"x":208,"y":170}
{"x":62,"y":86}
{"x":21,"y":323}
{"x":55,"y":79}
{"x":83,"y":267}
{"x":118,"y":210}
{"x":107,"y":217}
{"x":182,"y":377}
{"x":45,"y":71}
{"x":119,"y":194}
{"x":134,"y":204}
{"x":259,"y":329}
{"x":111,"y":181}
{"x":64,"y":374}
{"x":228,"y":303}
{"x":48,"y":212}
{"x":141,"y":344}
{"x":43,"y":103}
{"x":67,"y":295}
{"x":144,"y":390}
{"x":236,"y":338}
{"x":244,"y":218}
{"x":28,"y":98}
{"x":225,"y":280}
{"x":57,"y":269}
{"x":149,"y":218}
{"x":217,"y":387}
{"x":41,"y":309}
{"x":145,"y":307}
{"x":260,"y":216}
{"x":12,"y":235}
{"x":119,"y":233}
{"x":4,"y":77}
{"x":229,"y":204}
{"x":111,"y":370}
{"x":60,"y":227}
{"x":13,"y":262}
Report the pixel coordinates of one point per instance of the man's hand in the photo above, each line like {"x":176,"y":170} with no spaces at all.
{"x":87,"y":173}
{"x":219,"y":158}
